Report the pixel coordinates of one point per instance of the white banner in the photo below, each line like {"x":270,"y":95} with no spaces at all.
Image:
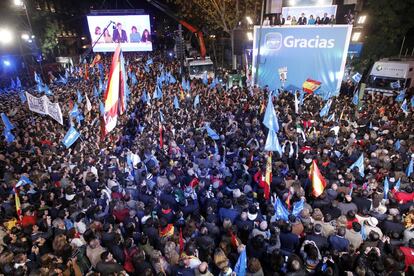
{"x":37,"y":105}
{"x":44,"y":106}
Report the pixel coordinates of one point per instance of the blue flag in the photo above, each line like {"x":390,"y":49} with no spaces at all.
{"x":80,"y":97}
{"x":134,"y":80}
{"x":18,"y":83}
{"x":211,"y":133}
{"x":62,"y":80}
{"x":272,"y":142}
{"x":270,"y":119}
{"x":22,"y":96}
{"x":360,"y":165}
{"x":301,"y":97}
{"x":281,"y":213}
{"x":196,"y":101}
{"x":213,"y":84}
{"x":101,"y":108}
{"x":331,"y":117}
{"x":205,"y":79}
{"x":95,"y":92}
{"x":363,"y":232}
{"x":410,"y":168}
{"x":75,"y":111}
{"x":47,"y":90}
{"x":161,"y":117}
{"x":172,"y":80}
{"x":176,"y":103}
{"x":71,"y":136}
{"x":395,"y":85}
{"x":144,"y":97}
{"x":12,"y":84}
{"x":7,"y":124}
{"x":149,"y":61}
{"x":298,"y":207}
{"x":404,"y":107}
{"x":325,"y":109}
{"x":40,"y":87}
{"x":146,"y":68}
{"x":386,"y":187}
{"x":241,"y":265}
{"x":397,"y":145}
{"x":397,"y":185}
{"x":24,"y":180}
{"x":400,"y":96}
{"x":37,"y":79}
{"x":412,"y":101}
{"x":9,"y":136}
{"x":357,"y":77}
{"x":100,"y":86}
{"x":355,"y":99}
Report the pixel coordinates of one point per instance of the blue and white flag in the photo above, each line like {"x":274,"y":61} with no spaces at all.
{"x":298,"y":207}
{"x":395,"y":85}
{"x":356,"y":77}
{"x":100,"y":86}
{"x":301,"y":97}
{"x":397,"y":185}
{"x":331,"y":117}
{"x":412,"y":101}
{"x":241,"y":265}
{"x":270,"y":118}
{"x":404,"y":107}
{"x":146,"y":68}
{"x":363,"y":231}
{"x":37,"y":79}
{"x":281,"y":213}
{"x":172,"y":80}
{"x":149,"y":61}
{"x":360,"y":165}
{"x":80,"y":97}
{"x":196,"y":101}
{"x":161,"y":117}
{"x":410,"y":168}
{"x":325,"y":109}
{"x":400,"y":96}
{"x":176,"y":102}
{"x":157,"y":93}
{"x":355,"y":98}
{"x":134,"y":80}
{"x":386,"y":187}
{"x":24,"y":180}
{"x":7,"y":124}
{"x":211,"y":133}
{"x":397,"y":145}
{"x":272,"y":142}
{"x":62,"y":80}
{"x":40,"y":87}
{"x":71,"y":136}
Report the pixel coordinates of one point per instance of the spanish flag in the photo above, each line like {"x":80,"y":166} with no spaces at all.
{"x":318,"y":182}
{"x":114,"y":97}
{"x":310,"y":86}
{"x":17,"y":203}
{"x":268,"y":177}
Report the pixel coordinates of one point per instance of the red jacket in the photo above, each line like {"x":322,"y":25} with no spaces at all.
{"x":404,"y":197}
{"x":409,"y":256}
{"x":28,"y":221}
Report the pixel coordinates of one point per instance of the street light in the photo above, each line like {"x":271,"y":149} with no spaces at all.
{"x":249,"y":20}
{"x":18,"y":3}
{"x":361,"y":19}
{"x":356,"y":36}
{"x":250,"y":36}
{"x":6,"y":36}
{"x":25,"y":36}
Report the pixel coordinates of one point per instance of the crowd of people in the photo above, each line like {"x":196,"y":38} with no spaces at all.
{"x":300,"y":20}
{"x":193,"y":205}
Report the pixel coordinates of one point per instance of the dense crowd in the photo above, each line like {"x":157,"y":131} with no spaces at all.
{"x":126,"y":206}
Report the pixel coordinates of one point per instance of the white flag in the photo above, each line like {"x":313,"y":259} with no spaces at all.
{"x":88,"y":103}
{"x":296,"y":104}
{"x":36,"y":104}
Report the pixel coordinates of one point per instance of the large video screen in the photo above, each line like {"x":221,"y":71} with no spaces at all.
{"x":132,"y":31}
{"x":315,"y":52}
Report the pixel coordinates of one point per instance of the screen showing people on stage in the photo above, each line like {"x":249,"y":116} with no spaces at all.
{"x":132,"y":31}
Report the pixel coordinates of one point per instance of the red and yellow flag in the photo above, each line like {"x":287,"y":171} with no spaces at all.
{"x":268,"y":177}
{"x":17,"y":203}
{"x":318,"y":181}
{"x":111,"y":96}
{"x":310,"y":86}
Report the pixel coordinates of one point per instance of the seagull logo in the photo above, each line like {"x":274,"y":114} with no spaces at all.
{"x":273,"y":41}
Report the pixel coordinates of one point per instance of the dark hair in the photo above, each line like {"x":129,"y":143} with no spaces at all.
{"x":356,"y":226}
{"x":133,"y":27}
